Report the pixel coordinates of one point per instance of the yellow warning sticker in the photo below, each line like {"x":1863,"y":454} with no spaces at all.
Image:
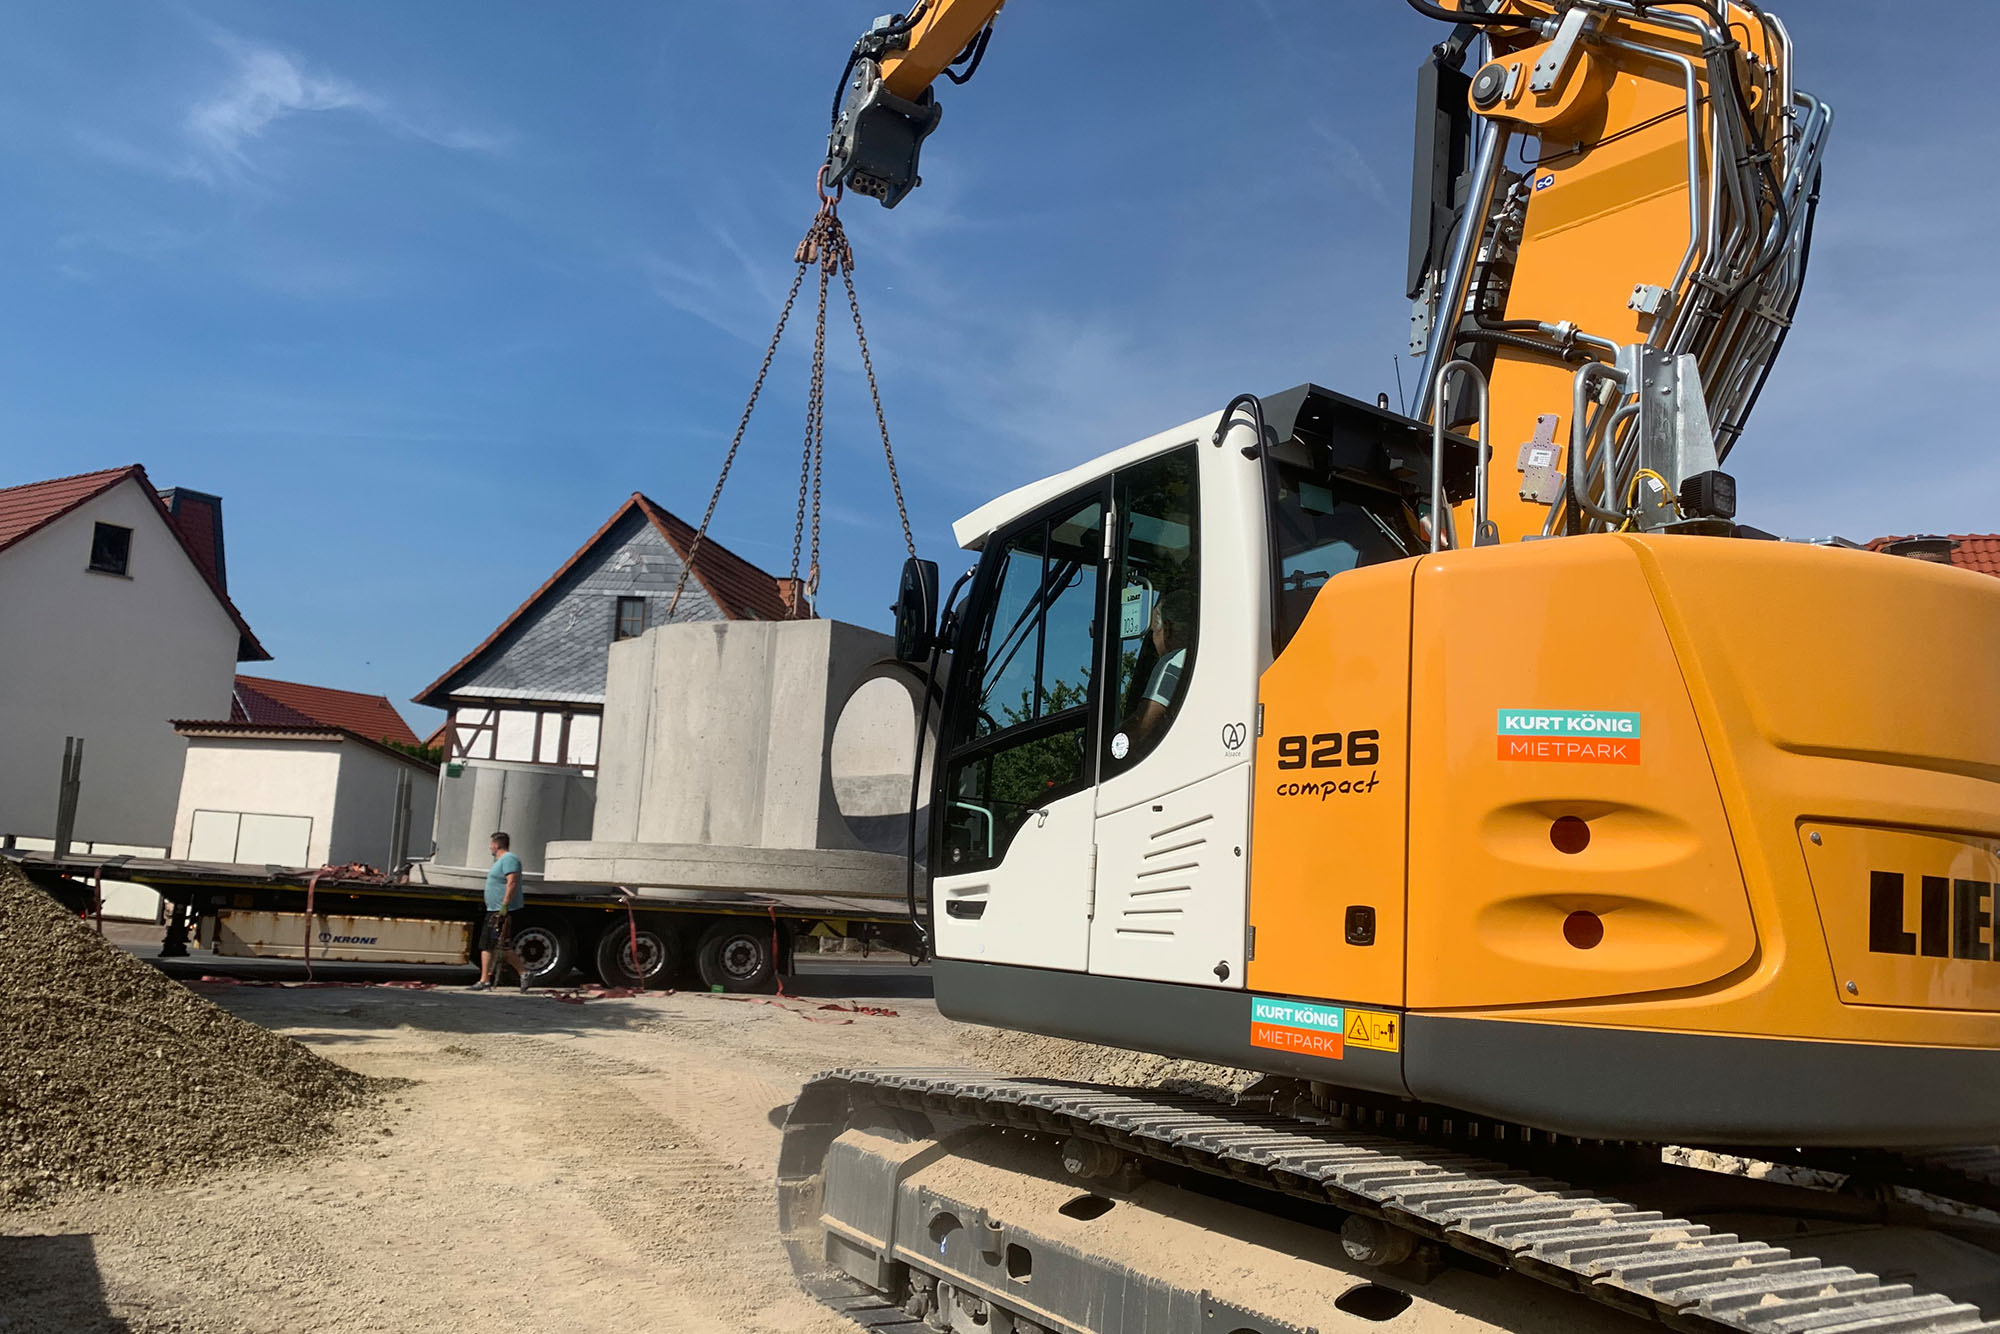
{"x":1374,"y":1028}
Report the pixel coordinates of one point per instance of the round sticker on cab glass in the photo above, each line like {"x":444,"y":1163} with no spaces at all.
{"x":1121,"y":746}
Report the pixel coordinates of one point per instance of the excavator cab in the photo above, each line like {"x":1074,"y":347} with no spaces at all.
{"x":1103,"y":686}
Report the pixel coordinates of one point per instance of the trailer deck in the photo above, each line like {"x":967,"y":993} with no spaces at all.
{"x":735,"y":940}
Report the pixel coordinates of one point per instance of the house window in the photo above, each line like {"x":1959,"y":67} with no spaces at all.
{"x":631,"y":618}
{"x":110,"y":549}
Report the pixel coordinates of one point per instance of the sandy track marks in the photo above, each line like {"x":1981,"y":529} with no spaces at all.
{"x":671,"y":1159}
{"x":546,"y":1169}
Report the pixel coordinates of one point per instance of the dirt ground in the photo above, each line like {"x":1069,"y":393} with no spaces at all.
{"x":533,"y":1166}
{"x":545,"y":1167}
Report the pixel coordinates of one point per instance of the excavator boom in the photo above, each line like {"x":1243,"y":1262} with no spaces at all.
{"x":1610,"y":224}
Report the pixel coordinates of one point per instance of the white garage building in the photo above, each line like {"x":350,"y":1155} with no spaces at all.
{"x":300,"y":795}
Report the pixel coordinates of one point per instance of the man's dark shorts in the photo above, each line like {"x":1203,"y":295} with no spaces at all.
{"x":495,"y":931}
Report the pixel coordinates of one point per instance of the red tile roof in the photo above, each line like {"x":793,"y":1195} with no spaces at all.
{"x":1979,"y":552}
{"x":25,"y":510}
{"x":741,"y":590}
{"x":289,"y":704}
{"x":28,"y":509}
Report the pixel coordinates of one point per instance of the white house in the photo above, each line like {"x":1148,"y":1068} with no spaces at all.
{"x":116,"y":616}
{"x":300,"y":795}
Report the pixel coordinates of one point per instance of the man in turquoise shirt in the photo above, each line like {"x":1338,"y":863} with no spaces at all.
{"x":503,"y":897}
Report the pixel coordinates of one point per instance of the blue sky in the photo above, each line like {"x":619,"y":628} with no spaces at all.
{"x":425,"y":291}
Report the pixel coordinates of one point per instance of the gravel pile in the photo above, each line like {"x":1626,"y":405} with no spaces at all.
{"x":112,"y":1073}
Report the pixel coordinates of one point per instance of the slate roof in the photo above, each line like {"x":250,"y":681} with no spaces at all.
{"x":289,"y":704}
{"x":555,"y":646}
{"x":26,"y":510}
{"x":744,"y":592}
{"x":1979,"y":552}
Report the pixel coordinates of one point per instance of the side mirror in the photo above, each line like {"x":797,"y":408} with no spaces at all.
{"x":916,"y":610}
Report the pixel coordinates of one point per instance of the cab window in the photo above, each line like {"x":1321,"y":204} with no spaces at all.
{"x":1321,"y":526}
{"x":1022,"y":737}
{"x":1156,"y":606}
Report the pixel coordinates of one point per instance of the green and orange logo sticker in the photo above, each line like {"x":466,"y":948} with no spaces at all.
{"x":1569,"y":736}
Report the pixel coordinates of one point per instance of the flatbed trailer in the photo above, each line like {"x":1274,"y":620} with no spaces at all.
{"x":738,"y":941}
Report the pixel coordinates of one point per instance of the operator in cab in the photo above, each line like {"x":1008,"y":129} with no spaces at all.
{"x":1170,"y":632}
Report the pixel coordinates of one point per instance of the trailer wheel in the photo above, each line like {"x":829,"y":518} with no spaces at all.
{"x":738,"y":956}
{"x":547,"y":945}
{"x":659,"y":947}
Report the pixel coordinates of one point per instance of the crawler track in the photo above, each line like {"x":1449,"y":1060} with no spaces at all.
{"x":1968,"y":1175}
{"x":1675,"y":1271}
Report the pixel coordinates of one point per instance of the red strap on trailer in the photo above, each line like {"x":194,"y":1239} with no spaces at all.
{"x":777,"y":954}
{"x":311,"y":885}
{"x":632,"y":926}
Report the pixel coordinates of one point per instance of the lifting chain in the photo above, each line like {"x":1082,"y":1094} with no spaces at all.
{"x":825,"y":244}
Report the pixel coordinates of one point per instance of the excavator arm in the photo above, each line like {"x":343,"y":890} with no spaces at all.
{"x":1609,"y":230}
{"x":885,"y":107}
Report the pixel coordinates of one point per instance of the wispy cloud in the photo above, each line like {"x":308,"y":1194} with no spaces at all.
{"x":218,"y":136}
{"x":268,"y":86}
{"x":715,"y":278}
{"x":128,"y":237}
{"x":1349,"y":162}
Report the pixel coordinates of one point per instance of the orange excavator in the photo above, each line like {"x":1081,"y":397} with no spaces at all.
{"x":1474,"y":777}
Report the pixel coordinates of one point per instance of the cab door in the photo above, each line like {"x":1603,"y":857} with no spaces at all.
{"x":1182,"y":630}
{"x":1013,"y":864}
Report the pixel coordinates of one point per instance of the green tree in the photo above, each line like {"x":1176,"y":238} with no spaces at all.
{"x":1024,"y":774}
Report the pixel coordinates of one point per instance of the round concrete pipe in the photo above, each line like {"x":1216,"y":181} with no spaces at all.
{"x":536,"y":804}
{"x":872,"y":752}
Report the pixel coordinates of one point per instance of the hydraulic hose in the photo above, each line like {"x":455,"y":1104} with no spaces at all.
{"x":1482,"y":334}
{"x":1734,"y":430}
{"x":1429,"y":10}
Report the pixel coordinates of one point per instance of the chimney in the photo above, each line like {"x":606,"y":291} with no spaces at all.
{"x":197,"y":516}
{"x":793,"y":592}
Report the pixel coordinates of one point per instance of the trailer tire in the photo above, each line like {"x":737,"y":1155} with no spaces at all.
{"x":738,"y":956}
{"x":659,"y":952}
{"x":547,"y":945}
